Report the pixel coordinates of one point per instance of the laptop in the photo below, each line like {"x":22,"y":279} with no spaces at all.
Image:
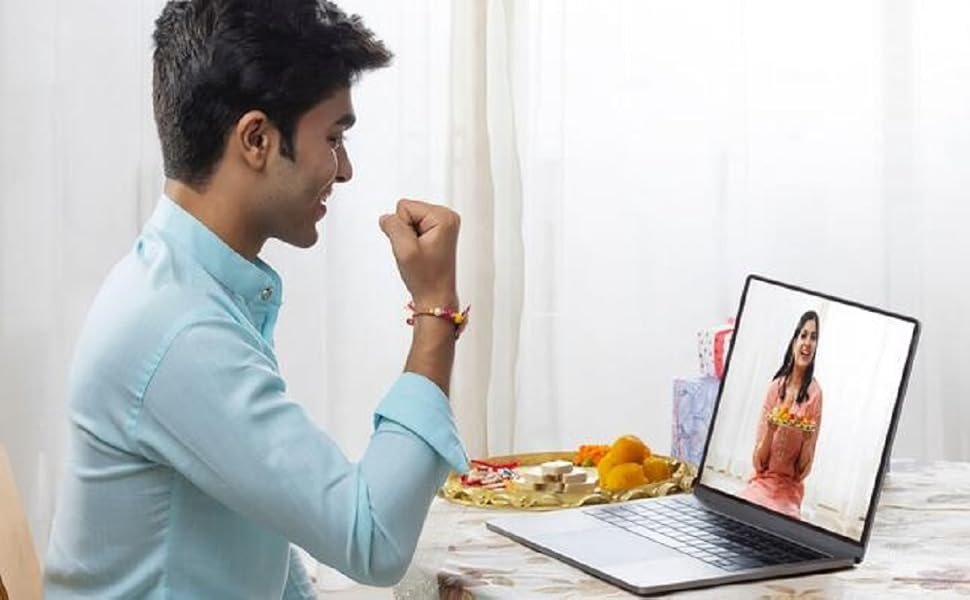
{"x":796,"y":452}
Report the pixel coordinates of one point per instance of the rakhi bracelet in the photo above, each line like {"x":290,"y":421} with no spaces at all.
{"x":458,"y":319}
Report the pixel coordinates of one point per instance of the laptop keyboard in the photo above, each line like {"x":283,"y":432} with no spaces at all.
{"x":703,"y":534}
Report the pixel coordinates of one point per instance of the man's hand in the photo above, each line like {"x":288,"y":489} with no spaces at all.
{"x":424,"y":239}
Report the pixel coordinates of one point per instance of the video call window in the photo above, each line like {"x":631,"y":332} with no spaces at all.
{"x":806,"y":405}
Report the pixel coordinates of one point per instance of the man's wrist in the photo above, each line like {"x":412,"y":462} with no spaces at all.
{"x":432,"y":301}
{"x":434,"y":327}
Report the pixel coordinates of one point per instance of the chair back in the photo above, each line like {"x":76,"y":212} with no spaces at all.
{"x":19,"y":568}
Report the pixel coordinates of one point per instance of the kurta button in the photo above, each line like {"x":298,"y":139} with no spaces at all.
{"x":266,"y":294}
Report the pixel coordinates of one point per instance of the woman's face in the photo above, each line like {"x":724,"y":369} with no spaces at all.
{"x":803,"y":348}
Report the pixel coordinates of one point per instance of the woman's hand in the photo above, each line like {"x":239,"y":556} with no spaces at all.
{"x":763,"y":448}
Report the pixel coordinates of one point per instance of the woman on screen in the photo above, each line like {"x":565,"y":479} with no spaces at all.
{"x":788,"y":429}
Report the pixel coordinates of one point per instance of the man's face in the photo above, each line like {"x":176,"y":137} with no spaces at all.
{"x":298,"y":189}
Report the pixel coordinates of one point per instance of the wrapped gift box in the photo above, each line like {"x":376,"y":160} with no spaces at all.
{"x":712,"y":349}
{"x":693,"y":404}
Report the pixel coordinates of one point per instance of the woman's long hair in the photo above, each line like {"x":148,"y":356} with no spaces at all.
{"x":788,"y":364}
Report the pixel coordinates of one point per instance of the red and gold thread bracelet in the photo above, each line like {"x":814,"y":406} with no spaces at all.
{"x":458,"y":319}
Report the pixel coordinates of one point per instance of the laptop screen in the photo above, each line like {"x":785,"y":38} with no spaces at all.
{"x":807,"y":405}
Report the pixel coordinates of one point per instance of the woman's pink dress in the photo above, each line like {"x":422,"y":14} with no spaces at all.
{"x":778,"y":486}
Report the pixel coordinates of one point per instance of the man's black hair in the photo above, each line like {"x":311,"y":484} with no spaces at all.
{"x":215,"y":60}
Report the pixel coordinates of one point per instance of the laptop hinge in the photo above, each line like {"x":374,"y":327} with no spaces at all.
{"x":802,"y":533}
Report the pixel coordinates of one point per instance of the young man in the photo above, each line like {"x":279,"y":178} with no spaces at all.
{"x":192,"y":472}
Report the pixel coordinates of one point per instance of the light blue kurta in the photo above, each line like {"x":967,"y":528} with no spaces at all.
{"x":191,"y":471}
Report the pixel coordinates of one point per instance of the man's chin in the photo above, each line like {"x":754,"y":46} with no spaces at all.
{"x":305,"y":239}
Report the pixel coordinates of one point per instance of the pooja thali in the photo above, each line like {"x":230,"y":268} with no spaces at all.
{"x":781,"y":416}
{"x":502,"y":482}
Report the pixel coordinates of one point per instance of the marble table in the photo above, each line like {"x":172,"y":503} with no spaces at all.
{"x":920,"y":547}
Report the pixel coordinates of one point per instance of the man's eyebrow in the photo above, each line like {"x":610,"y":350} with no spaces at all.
{"x":347,"y":121}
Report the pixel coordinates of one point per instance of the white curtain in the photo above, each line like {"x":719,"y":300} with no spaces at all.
{"x":620,"y":166}
{"x":79,"y":173}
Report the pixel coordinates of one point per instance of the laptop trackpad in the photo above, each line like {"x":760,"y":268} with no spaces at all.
{"x":604,"y":546}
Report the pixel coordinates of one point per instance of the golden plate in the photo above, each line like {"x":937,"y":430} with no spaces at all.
{"x":453,"y":490}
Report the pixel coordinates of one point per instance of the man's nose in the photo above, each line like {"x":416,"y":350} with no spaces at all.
{"x":345,"y":170}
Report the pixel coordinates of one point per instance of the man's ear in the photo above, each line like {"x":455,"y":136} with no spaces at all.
{"x":255,"y":136}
